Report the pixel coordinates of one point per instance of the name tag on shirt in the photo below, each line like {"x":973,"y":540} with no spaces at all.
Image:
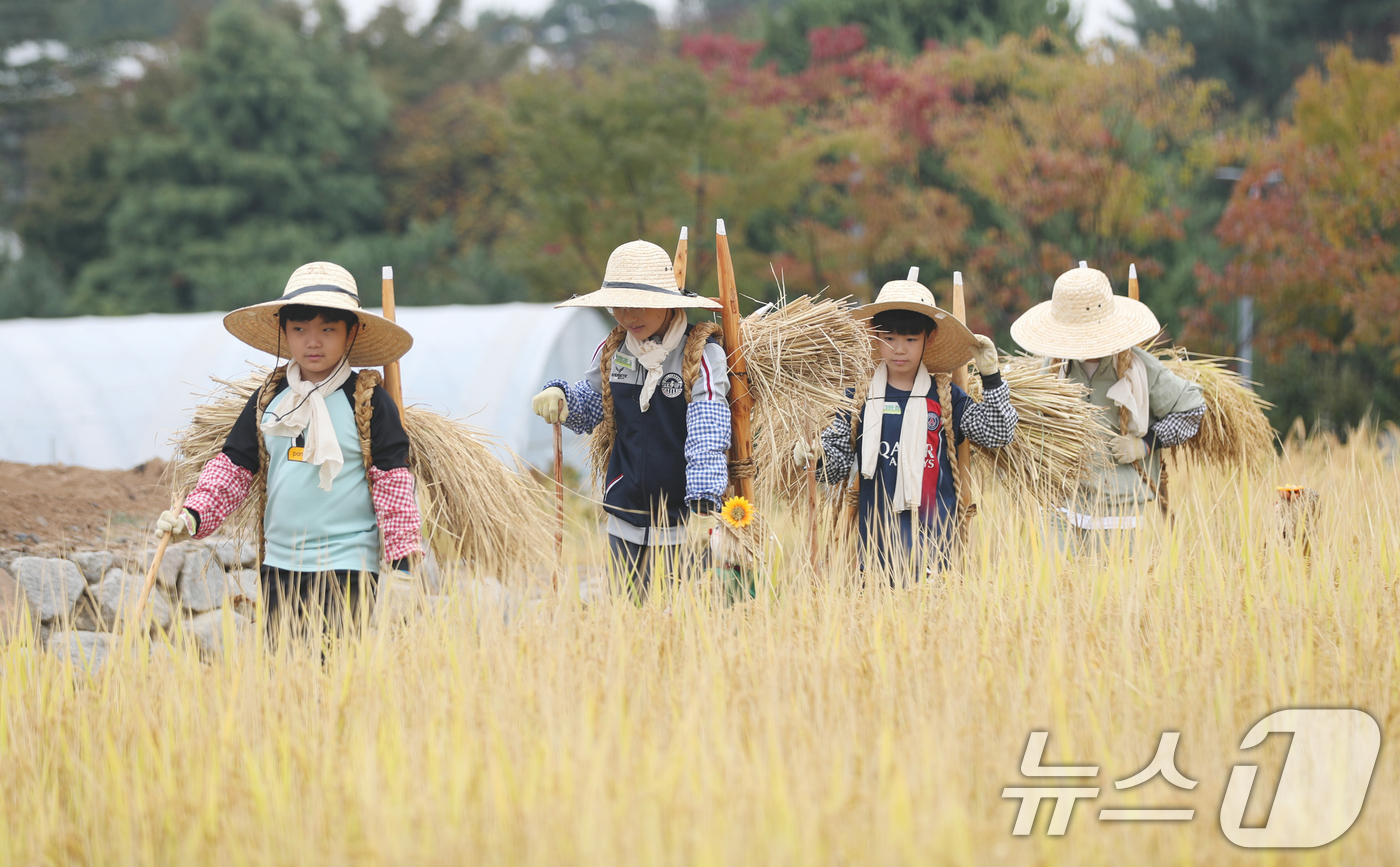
{"x":624,"y":361}
{"x":892,"y":408}
{"x":296,"y":453}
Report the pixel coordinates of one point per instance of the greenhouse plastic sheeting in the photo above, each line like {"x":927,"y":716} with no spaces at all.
{"x":108,"y":392}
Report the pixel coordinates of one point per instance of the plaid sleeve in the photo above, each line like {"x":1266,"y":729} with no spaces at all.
{"x":585,"y":405}
{"x":396,"y":509}
{"x":222,"y":487}
{"x":1176,"y":428}
{"x":837,"y":455}
{"x":706,"y":442}
{"x":991,"y":423}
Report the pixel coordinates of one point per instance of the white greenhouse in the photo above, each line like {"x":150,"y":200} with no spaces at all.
{"x":108,"y":392}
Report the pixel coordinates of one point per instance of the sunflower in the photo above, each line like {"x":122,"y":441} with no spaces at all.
{"x":738,"y":512}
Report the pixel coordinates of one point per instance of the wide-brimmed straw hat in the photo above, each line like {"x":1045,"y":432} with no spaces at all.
{"x":640,"y":274}
{"x":1084,"y":319}
{"x":950,"y":345}
{"x":321,"y":284}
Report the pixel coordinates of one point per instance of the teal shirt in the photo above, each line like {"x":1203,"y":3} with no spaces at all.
{"x":311,"y":530}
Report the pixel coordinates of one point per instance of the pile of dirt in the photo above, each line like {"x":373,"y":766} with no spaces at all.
{"x":45,"y":510}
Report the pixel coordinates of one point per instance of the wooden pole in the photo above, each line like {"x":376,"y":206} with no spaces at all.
{"x":392,"y":382}
{"x":151,"y":573}
{"x":740,"y":401}
{"x":558,"y":501}
{"x":682,"y":257}
{"x":812,"y":498}
{"x":965,"y":505}
{"x":1133,"y":283}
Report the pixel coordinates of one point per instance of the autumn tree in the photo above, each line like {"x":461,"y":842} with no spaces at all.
{"x":1313,"y":228}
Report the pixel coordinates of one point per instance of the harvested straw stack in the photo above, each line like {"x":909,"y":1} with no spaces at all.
{"x":1235,"y":431}
{"x":1058,"y":439}
{"x":804,"y":355}
{"x":474,"y":508}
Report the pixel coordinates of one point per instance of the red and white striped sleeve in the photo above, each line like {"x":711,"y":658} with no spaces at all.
{"x":222,"y":488}
{"x":396,"y":509}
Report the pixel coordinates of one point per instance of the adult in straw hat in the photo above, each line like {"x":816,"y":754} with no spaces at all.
{"x":1093,"y":336}
{"x":656,"y":402}
{"x":896,"y":446}
{"x":329,"y":446}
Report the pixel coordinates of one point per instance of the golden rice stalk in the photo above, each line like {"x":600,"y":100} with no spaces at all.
{"x":1234,"y":432}
{"x":1058,"y":439}
{"x":804,"y":356}
{"x":474,"y":508}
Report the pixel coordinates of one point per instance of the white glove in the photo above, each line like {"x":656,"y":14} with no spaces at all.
{"x":180,"y":525}
{"x":1127,"y":449}
{"x":551,"y":405}
{"x":804,"y":452}
{"x":986,"y":356}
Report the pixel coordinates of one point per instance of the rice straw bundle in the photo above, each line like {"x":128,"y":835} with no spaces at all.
{"x":804,"y":355}
{"x":1235,"y":431}
{"x":1058,"y":438}
{"x":474,"y":508}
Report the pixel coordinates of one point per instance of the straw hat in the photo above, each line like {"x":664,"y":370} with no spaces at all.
{"x":1084,"y":319}
{"x":639,"y":274}
{"x":321,"y":284}
{"x":950,"y":345}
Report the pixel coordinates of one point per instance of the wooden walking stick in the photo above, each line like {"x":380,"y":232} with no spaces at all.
{"x":966,"y":507}
{"x":740,"y":400}
{"x":682,"y":248}
{"x":812,"y":498}
{"x":1161,"y":487}
{"x":151,"y":573}
{"x":558,"y":501}
{"x":1132,"y":282}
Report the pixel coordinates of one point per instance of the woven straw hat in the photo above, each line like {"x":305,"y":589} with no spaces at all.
{"x":640,"y":274}
{"x":321,"y":284}
{"x":950,"y":345}
{"x":1084,"y":319}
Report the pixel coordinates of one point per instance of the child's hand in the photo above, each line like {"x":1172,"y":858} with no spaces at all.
{"x":551,"y":405}
{"x":1127,"y":449}
{"x":986,"y":356}
{"x":180,"y":525}
{"x":698,"y":530}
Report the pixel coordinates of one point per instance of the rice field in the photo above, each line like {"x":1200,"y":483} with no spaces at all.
{"x":822,"y":722}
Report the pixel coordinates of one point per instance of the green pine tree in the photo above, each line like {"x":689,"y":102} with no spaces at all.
{"x":270,"y":164}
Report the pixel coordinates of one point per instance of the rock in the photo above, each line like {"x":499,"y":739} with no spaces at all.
{"x":94,"y":564}
{"x":50,"y":586}
{"x":11,"y":605}
{"x":208,"y":631}
{"x":233,"y":554}
{"x":86,"y":617}
{"x":203,"y":582}
{"x":85,"y":650}
{"x":118,"y":594}
{"x":168,"y":578}
{"x":244,"y":591}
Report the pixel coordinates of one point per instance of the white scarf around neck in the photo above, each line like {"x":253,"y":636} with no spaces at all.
{"x":302,"y":409}
{"x":651,"y":354}
{"x":913,"y":438}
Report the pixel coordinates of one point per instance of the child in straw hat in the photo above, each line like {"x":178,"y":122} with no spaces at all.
{"x":1092,"y":336}
{"x":656,"y":400}
{"x":327,"y":443}
{"x":907,"y":507}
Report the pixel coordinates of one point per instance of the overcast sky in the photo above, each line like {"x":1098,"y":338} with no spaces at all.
{"x":1097,"y":15}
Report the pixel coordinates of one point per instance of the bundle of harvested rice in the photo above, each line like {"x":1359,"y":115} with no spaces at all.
{"x":474,"y":508}
{"x":804,"y":356}
{"x":1058,"y":439}
{"x":1235,"y":432}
